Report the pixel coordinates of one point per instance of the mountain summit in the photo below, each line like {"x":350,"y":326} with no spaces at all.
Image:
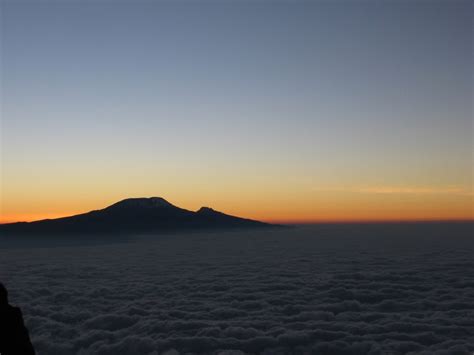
{"x":151,"y":202}
{"x":134,"y":216}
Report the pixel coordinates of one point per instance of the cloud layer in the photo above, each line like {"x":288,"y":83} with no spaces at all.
{"x":315,"y":290}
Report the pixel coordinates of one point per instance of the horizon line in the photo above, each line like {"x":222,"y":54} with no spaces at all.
{"x":302,"y":222}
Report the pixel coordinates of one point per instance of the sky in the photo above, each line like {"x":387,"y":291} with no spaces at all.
{"x":288,"y":111}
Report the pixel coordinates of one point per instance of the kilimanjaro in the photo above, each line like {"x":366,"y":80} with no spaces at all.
{"x":134,"y":216}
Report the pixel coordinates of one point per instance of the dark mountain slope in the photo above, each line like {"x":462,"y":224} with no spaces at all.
{"x":133,"y":216}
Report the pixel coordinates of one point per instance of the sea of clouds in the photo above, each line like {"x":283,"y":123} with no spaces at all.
{"x":309,"y":290}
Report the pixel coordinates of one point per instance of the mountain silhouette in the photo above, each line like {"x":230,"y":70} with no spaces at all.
{"x":133,"y":216}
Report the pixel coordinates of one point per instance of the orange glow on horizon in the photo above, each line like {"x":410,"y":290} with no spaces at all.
{"x":331,"y":210}
{"x":262,"y":199}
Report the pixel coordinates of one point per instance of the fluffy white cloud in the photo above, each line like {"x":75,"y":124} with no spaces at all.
{"x":396,"y":290}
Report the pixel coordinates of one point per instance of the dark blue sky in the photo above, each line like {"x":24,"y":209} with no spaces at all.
{"x":261,"y":96}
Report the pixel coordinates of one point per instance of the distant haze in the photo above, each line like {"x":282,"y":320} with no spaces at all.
{"x":272,"y":110}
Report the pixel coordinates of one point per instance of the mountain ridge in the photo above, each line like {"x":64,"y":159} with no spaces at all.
{"x":134,"y":216}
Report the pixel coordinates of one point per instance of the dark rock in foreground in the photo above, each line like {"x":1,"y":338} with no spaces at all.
{"x":134,"y":216}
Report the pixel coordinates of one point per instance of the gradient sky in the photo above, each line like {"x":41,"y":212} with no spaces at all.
{"x":282,"y":111}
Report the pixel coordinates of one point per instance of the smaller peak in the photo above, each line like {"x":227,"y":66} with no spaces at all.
{"x":205,"y":209}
